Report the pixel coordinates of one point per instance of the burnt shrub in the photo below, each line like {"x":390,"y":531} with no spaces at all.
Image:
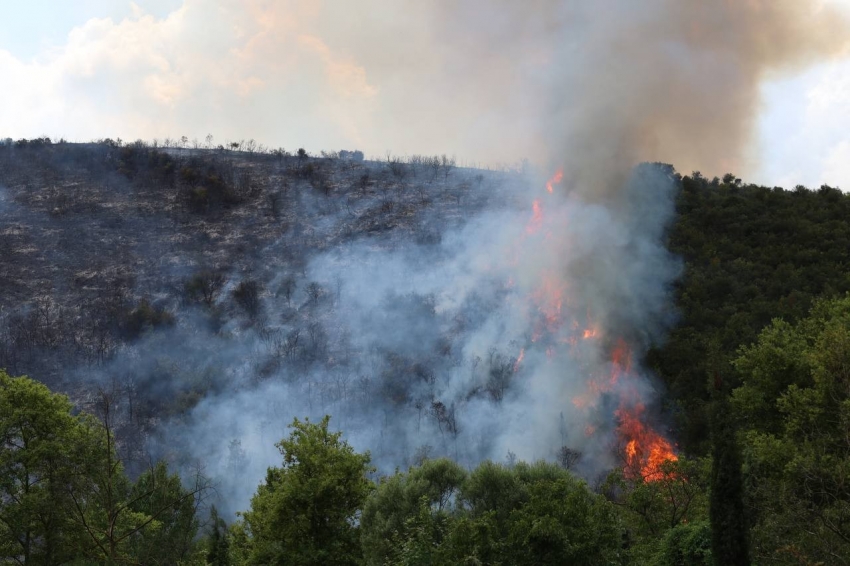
{"x":203,"y":287}
{"x":205,"y":185}
{"x":145,"y":316}
{"x":247,"y":296}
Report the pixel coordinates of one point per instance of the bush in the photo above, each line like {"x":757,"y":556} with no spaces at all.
{"x":146,"y":316}
{"x":247,"y":296}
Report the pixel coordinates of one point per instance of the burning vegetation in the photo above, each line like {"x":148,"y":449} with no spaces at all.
{"x":556,"y":325}
{"x":527,"y":329}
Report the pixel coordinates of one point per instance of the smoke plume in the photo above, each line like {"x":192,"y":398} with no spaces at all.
{"x":613,"y":83}
{"x":504,"y":338}
{"x":520,"y":329}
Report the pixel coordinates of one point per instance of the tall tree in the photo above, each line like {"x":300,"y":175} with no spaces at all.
{"x":796,"y":445}
{"x":729,"y":529}
{"x":412,"y":506}
{"x":218,"y":541}
{"x":38,"y":458}
{"x":151,"y":521}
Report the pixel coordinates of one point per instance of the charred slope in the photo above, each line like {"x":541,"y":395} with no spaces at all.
{"x":104,"y":246}
{"x":172,"y":275}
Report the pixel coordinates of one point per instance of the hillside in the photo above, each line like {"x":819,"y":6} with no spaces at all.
{"x":196,"y":300}
{"x":169,"y":276}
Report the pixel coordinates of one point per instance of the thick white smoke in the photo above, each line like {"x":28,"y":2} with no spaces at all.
{"x":423,"y":343}
{"x":473,"y":348}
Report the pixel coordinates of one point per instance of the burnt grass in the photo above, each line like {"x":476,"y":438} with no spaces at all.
{"x":102,"y":244}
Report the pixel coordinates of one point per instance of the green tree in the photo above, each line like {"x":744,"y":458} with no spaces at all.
{"x":688,"y":544}
{"x":521,"y":515}
{"x":562,"y":522}
{"x":169,"y":537}
{"x":394,"y":515}
{"x":151,"y":521}
{"x":795,"y":445}
{"x":305,"y":513}
{"x":650,"y":508}
{"x":39,"y":458}
{"x":532,"y":514}
{"x":218,"y":541}
{"x":729,"y":529}
{"x":419,"y":541}
{"x":64,"y":495}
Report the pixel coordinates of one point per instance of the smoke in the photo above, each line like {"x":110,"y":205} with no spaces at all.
{"x":500,"y":338}
{"x":473,"y":347}
{"x":580,"y":84}
{"x":620,"y":82}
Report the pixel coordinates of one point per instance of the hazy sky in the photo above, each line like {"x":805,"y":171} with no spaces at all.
{"x":372,"y":74}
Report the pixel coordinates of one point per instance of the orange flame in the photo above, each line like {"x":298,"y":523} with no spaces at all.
{"x":645,"y":450}
{"x":519,"y":359}
{"x":590,"y":333}
{"x":556,"y":178}
{"x":549,"y":299}
{"x":536,"y":218}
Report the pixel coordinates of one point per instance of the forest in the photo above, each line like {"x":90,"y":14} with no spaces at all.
{"x":156,"y":298}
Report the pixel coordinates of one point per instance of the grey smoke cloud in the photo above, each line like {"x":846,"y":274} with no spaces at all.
{"x":421,"y":344}
{"x":594,"y":88}
{"x":571,"y":83}
{"x":425,"y":342}
{"x":599,"y":86}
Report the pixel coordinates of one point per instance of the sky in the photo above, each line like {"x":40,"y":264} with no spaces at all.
{"x":375,"y":75}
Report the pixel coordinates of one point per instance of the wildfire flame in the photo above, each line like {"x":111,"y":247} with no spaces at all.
{"x":536,"y":218}
{"x":519,"y":359}
{"x":590,"y":333}
{"x":644,"y":450}
{"x":556,"y":178}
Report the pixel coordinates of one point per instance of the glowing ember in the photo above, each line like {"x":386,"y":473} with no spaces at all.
{"x":556,"y":178}
{"x":621,"y":357}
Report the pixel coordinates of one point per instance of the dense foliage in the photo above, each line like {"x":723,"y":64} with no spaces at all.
{"x":64,"y":497}
{"x":794,"y":408}
{"x":751,"y":254}
{"x":305,"y":511}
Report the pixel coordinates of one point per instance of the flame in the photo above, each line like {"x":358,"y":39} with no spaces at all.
{"x":590,"y":333}
{"x":536,"y":218}
{"x":519,"y":359}
{"x":621,"y":357}
{"x":548,"y":298}
{"x":556,"y":178}
{"x":645,"y":450}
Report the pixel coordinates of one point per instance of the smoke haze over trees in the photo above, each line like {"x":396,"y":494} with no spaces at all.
{"x":586,"y":357}
{"x":330,"y":286}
